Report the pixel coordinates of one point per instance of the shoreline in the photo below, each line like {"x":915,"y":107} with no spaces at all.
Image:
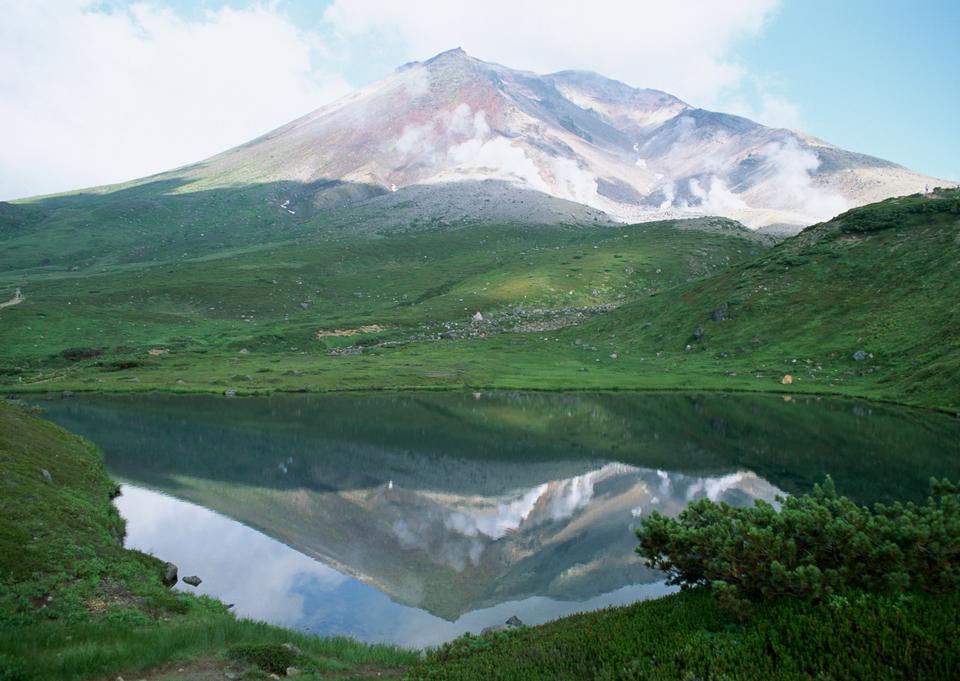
{"x":15,"y":392}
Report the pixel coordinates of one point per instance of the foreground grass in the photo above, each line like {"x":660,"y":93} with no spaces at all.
{"x":686,"y":636}
{"x":75,"y":604}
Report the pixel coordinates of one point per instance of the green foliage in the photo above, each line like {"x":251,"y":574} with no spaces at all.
{"x":816,"y":546}
{"x":268,"y":657}
{"x":688,"y":636}
{"x":13,"y":669}
{"x":898,"y":212}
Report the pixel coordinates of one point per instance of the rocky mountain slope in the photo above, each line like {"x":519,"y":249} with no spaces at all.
{"x":635,"y":154}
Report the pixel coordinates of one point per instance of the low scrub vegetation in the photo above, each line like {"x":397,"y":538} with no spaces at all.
{"x":814,"y":547}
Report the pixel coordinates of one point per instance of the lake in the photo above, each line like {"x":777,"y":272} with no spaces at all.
{"x":412,"y":518}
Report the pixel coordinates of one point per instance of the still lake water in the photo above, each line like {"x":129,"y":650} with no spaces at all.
{"x":413,"y":518}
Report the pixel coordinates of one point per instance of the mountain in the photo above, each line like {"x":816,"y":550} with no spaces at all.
{"x":635,"y":154}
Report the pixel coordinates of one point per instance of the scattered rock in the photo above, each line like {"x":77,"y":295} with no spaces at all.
{"x":229,"y":675}
{"x":348,"y":350}
{"x":46,"y":475}
{"x":699,"y":333}
{"x":168,"y":574}
{"x":511,"y":623}
{"x":787,"y":379}
{"x":719,"y":313}
{"x":477,"y":317}
{"x":66,"y":394}
{"x":859,"y":356}
{"x":192,"y":580}
{"x":229,"y":392}
{"x":494,"y":628}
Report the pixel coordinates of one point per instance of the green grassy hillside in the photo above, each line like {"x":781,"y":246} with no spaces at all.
{"x":869,"y":297}
{"x":98,"y":329}
{"x":862,"y":305}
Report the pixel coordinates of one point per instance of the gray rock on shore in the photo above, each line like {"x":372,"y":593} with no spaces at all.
{"x":168,"y":574}
{"x":511,"y":623}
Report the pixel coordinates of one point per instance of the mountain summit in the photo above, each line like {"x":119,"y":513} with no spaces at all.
{"x":635,"y":154}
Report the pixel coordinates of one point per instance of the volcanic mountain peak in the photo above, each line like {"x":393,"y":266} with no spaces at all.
{"x":636,"y":154}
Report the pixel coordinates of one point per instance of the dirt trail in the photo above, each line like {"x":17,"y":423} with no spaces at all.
{"x":16,"y":300}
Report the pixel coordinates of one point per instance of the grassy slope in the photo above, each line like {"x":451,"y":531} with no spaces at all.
{"x":74,"y":604}
{"x":881,"y":279}
{"x":685,"y":636}
{"x":412,"y":285}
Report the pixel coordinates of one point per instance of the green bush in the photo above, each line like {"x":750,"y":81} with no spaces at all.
{"x":815,"y":546}
{"x":12,"y":669}
{"x":269,"y":657}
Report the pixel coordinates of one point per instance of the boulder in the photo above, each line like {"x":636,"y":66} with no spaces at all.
{"x":168,"y":574}
{"x":859,"y":356}
{"x":229,"y":392}
{"x":45,"y":474}
{"x":192,"y":580}
{"x":292,"y":648}
{"x":66,"y":394}
{"x":699,"y":333}
{"x":719,"y":313}
{"x":511,"y":623}
{"x":494,"y":628}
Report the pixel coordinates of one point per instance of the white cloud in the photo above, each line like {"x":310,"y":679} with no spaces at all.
{"x":681,"y":46}
{"x":88,"y":97}
{"x":716,"y":198}
{"x":794,"y":167}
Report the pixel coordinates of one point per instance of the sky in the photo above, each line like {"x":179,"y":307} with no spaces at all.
{"x":95,"y":92}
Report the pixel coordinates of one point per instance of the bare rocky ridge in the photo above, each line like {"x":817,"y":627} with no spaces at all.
{"x":449,"y":139}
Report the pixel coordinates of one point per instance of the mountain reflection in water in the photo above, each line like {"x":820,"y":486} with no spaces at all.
{"x":414,"y":517}
{"x":472,"y":539}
